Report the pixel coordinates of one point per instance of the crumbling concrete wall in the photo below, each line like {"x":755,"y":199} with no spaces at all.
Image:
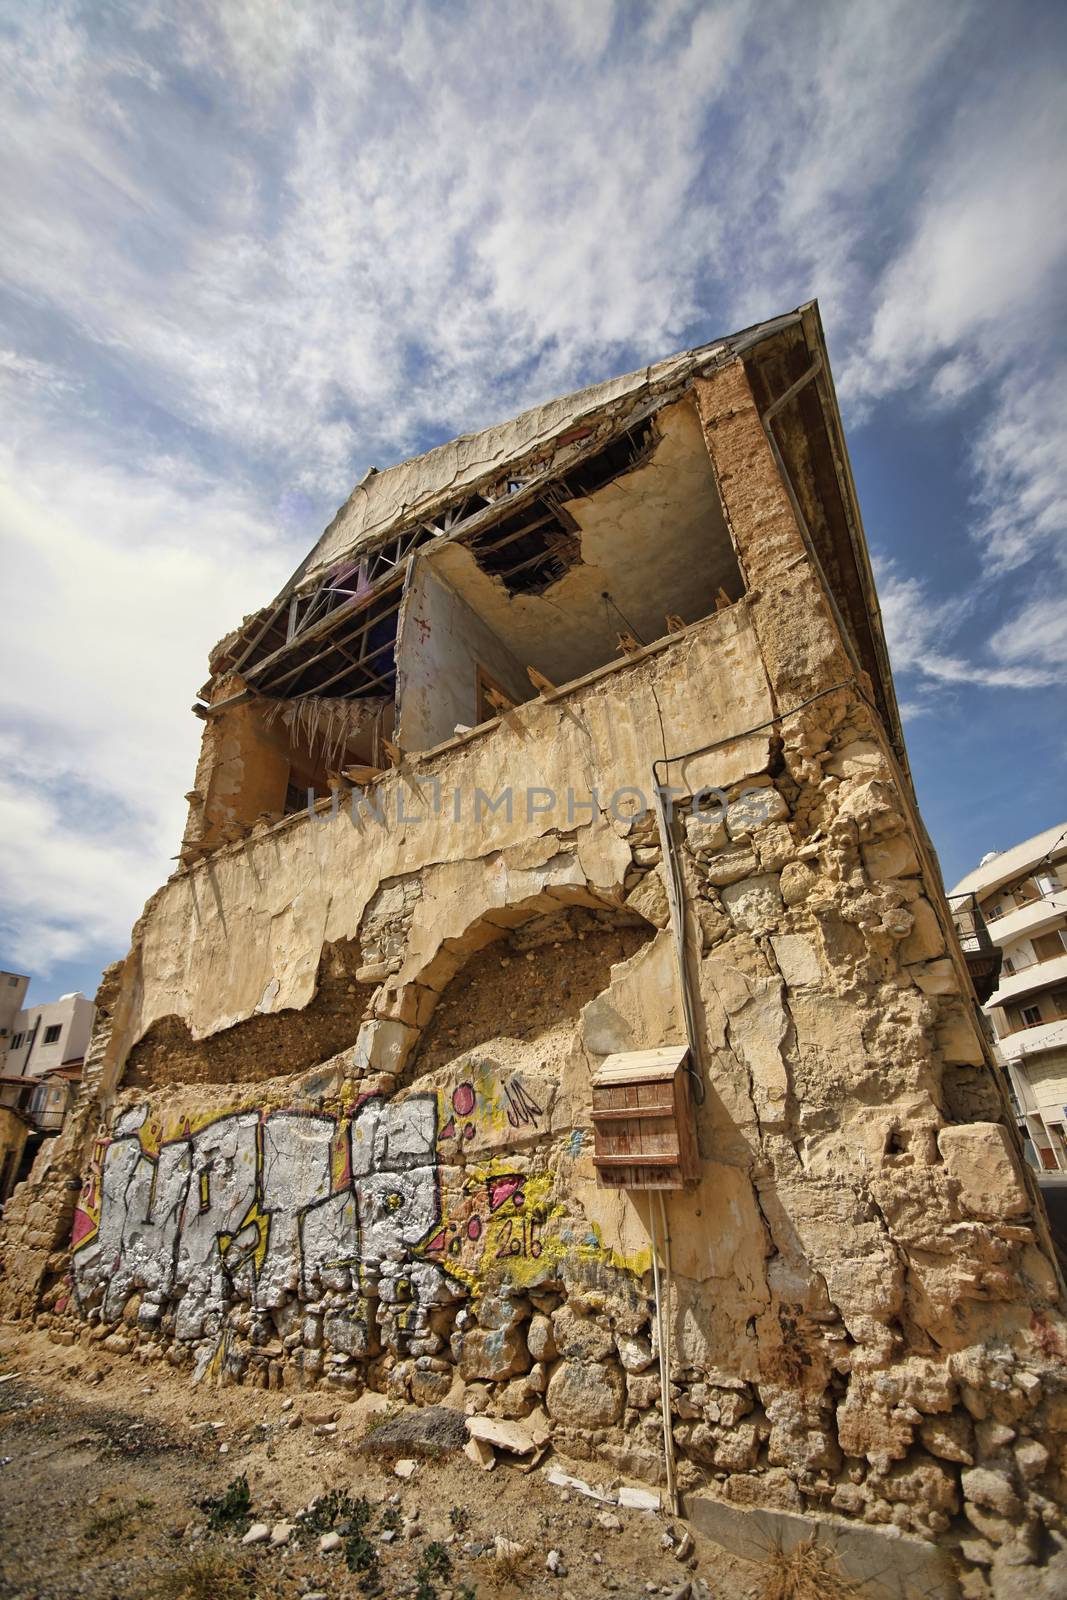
{"x":865,"y":1311}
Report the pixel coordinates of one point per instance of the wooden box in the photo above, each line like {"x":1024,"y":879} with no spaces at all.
{"x":644,"y":1134}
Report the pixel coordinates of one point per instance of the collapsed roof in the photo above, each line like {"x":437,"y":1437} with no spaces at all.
{"x":508,"y":495}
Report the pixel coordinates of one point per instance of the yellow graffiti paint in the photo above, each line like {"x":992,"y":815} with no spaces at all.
{"x":245,"y":1249}
{"x":150,"y":1136}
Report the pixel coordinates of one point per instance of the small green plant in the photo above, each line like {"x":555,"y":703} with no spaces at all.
{"x":360,"y":1554}
{"x":466,"y":1591}
{"x":331,"y":1508}
{"x":392,"y":1521}
{"x":231,"y":1510}
{"x":436,"y":1563}
{"x":459,"y":1517}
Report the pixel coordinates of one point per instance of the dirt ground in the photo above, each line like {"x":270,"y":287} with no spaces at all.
{"x":104,"y":1466}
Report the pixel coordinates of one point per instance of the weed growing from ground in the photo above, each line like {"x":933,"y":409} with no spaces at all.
{"x":332,"y":1508}
{"x":436,"y":1563}
{"x":360,"y":1554}
{"x":208,"y":1575}
{"x":230,"y":1511}
{"x":105,"y":1526}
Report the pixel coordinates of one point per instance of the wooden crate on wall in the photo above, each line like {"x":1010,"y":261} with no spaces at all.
{"x":643,"y":1126}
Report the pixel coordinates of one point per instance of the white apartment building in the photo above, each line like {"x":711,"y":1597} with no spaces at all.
{"x":49,"y":1036}
{"x":41,"y":1054}
{"x":1022,"y":894}
{"x":13,"y":986}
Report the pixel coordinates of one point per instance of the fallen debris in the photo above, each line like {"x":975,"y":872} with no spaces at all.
{"x":480,"y":1453}
{"x":564,"y":1480}
{"x":638,"y":1499}
{"x":419,"y":1431}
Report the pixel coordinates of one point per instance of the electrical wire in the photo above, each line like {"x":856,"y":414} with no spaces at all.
{"x":606,"y":597}
{"x":731,"y":738}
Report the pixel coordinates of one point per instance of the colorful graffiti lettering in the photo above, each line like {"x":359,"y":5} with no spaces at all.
{"x":263,"y":1205}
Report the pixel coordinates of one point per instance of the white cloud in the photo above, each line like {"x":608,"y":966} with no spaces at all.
{"x":987,"y":245}
{"x":255,"y":248}
{"x":1038,"y":632}
{"x":920,"y":632}
{"x":118,"y":583}
{"x":1021,"y":468}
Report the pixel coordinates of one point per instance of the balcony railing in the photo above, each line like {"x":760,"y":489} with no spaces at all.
{"x":47,"y":1121}
{"x":983,"y":957}
{"x":45,"y":1118}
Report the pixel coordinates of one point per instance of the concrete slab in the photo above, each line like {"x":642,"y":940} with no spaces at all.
{"x":886,"y":1565}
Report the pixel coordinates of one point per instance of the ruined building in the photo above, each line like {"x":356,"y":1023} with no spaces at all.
{"x":612,"y":931}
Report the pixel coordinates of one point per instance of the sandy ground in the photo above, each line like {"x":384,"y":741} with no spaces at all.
{"x":105,"y":1464}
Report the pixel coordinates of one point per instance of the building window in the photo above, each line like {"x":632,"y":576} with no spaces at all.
{"x":1031,"y":1016}
{"x":1047,"y":946}
{"x":52,"y":1033}
{"x":16,"y":1043}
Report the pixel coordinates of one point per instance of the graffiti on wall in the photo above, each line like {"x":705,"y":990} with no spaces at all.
{"x":399,"y":1205}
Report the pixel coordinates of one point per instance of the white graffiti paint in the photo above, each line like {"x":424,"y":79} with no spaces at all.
{"x":266,"y":1208}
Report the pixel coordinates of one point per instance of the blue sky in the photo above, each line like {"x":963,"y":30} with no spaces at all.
{"x":249,"y":250}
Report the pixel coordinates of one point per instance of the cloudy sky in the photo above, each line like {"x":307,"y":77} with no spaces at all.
{"x":249,"y":249}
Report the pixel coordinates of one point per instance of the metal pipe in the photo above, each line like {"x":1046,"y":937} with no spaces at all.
{"x":664,"y":1370}
{"x":676,"y":903}
{"x":665,"y":1332}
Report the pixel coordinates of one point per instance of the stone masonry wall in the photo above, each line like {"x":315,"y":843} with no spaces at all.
{"x":866,"y":1319}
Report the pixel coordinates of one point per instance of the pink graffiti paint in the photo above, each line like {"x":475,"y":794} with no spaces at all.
{"x":504,"y":1188}
{"x":83,"y":1226}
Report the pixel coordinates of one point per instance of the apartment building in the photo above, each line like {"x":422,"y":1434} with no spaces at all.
{"x":13,"y":986}
{"x":43,"y":1050}
{"x":1022,"y":896}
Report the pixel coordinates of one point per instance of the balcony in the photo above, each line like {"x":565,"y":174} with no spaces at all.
{"x":47,"y":1121}
{"x":983,"y":957}
{"x":1031,"y":979}
{"x":1036,"y":916}
{"x":1033,"y":1040}
{"x":26,"y":1098}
